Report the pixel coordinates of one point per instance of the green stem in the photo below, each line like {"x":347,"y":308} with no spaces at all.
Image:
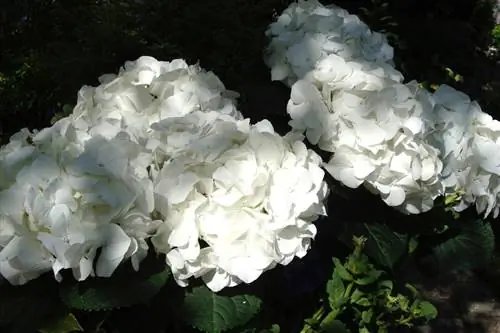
{"x":329,"y":318}
{"x":313,"y":321}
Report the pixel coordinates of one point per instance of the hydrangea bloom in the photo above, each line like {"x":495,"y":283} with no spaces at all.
{"x":470,"y":141}
{"x":14,"y":156}
{"x":381,"y":141}
{"x":483,"y":181}
{"x":333,"y":78}
{"x":158,"y":139}
{"x":76,"y":194}
{"x":378,"y":139}
{"x":454,"y":133}
{"x":307,"y":31}
{"x":235,"y":212}
{"x":146,"y":91}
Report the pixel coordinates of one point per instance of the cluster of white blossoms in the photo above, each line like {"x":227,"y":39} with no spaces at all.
{"x":469,"y":140}
{"x":307,"y":32}
{"x":65,"y":195}
{"x":236,"y":200}
{"x":398,"y":140}
{"x":158,"y":151}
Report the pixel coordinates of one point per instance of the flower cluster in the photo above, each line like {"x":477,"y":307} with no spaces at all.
{"x":398,"y":140}
{"x":158,"y":151}
{"x":238,"y":209}
{"x":307,"y":32}
{"x":469,"y":140}
{"x":72,"y":196}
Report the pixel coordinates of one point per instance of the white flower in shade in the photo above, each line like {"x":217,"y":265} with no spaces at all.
{"x":307,"y":31}
{"x":469,"y":142}
{"x":454,"y":132}
{"x":56,"y":216}
{"x":230,"y":218}
{"x":479,"y":173}
{"x":19,"y":152}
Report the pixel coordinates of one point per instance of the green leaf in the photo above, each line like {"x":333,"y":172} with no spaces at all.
{"x":125,"y":288}
{"x":412,"y":244}
{"x":65,"y":324}
{"x":383,"y":245}
{"x":366,"y":316}
{"x":386,"y":286}
{"x":414,"y":291}
{"x":335,"y":289}
{"x":363,"y":301}
{"x":274,"y":329}
{"x":335,"y":326}
{"x":472,"y":248}
{"x":428,"y":310}
{"x":364,"y":330}
{"x":212,"y":313}
{"x":370,"y":278}
{"x":341,"y":270}
{"x":356,"y":295}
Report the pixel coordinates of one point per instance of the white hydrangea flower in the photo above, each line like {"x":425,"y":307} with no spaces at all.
{"x":454,"y":131}
{"x":469,"y":142}
{"x":379,"y":140}
{"x":230,"y":217}
{"x":363,"y":75}
{"x":478,"y":173}
{"x":146,"y":91}
{"x":60,"y":211}
{"x":334,"y":78}
{"x":307,"y":31}
{"x":15,"y":155}
{"x":205,"y":133}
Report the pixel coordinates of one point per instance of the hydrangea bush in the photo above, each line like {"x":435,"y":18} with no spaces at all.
{"x":158,"y":161}
{"x":390,"y":136}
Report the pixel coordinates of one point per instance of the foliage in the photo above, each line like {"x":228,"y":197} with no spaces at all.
{"x":212,"y":313}
{"x":361,"y":298}
{"x":470,"y":247}
{"x":496,"y":36}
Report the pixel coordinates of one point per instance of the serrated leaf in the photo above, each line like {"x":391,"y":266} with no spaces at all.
{"x":383,"y":245}
{"x":370,"y":278}
{"x":472,"y":248}
{"x":335,"y":289}
{"x":212,"y":313}
{"x":120,"y":290}
{"x":341,"y":270}
{"x":65,"y":324}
